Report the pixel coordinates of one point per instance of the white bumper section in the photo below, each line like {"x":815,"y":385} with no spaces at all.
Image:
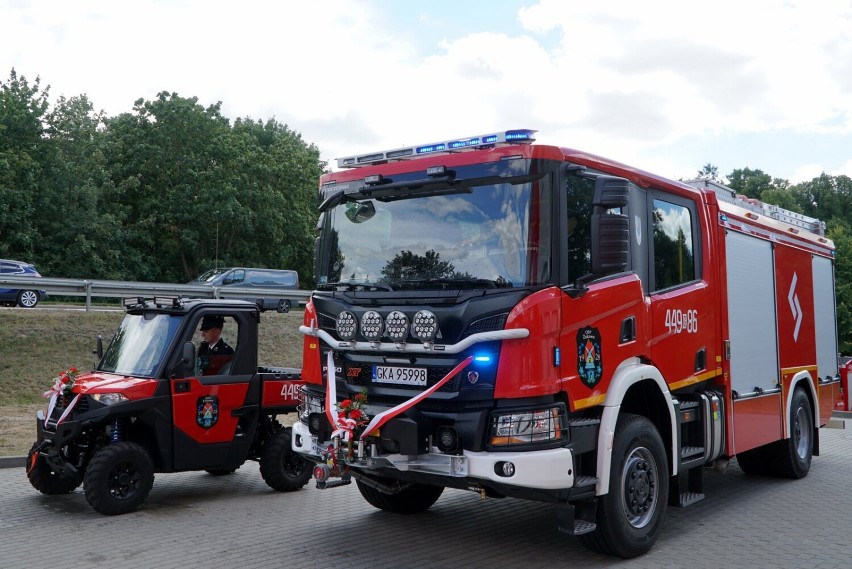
{"x":551,"y":469}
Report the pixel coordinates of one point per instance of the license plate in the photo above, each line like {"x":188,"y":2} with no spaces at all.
{"x":399,"y":375}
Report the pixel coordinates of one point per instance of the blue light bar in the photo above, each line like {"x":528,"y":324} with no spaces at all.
{"x":517,"y":136}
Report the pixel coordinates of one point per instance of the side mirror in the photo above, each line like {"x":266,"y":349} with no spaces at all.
{"x":188,"y":358}
{"x":99,"y":350}
{"x":610,"y":231}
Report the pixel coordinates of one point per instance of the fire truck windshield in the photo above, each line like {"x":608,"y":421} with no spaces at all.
{"x":139,"y":344}
{"x":486,"y":236}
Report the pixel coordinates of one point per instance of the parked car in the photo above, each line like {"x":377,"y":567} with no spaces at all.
{"x":245,"y":277}
{"x":25,"y":298}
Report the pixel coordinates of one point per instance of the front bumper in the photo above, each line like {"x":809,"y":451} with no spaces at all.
{"x":551,"y":469}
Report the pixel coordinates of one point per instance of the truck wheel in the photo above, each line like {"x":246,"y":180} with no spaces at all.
{"x":281,"y":468}
{"x":46,"y":480}
{"x":791,"y":458}
{"x":118,"y":478}
{"x":631,"y":514}
{"x":412,"y":500}
{"x":27,"y":298}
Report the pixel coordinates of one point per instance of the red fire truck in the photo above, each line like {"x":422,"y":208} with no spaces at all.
{"x":538,"y":322}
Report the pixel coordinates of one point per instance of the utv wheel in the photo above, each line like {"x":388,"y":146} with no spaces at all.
{"x":281,"y":468}
{"x":46,"y":480}
{"x":27,"y":298}
{"x":631,"y":514}
{"x":119,"y":478}
{"x":791,"y":458}
{"x":411,"y":500}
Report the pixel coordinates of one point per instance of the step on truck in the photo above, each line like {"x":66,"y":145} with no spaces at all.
{"x":161,"y":400}
{"x":538,"y":322}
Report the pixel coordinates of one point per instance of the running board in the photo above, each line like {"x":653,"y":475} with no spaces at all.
{"x":577,"y":519}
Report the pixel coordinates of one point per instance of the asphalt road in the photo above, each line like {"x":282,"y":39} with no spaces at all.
{"x":196,"y":520}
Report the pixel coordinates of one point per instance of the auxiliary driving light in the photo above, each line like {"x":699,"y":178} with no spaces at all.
{"x":322,"y":472}
{"x":505,"y":469}
{"x":371,"y":326}
{"x":425,"y":326}
{"x":396,"y":326}
{"x":346,"y":324}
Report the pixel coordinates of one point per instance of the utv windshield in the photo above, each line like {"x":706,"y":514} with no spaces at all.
{"x":139,"y":345}
{"x":469,"y":236}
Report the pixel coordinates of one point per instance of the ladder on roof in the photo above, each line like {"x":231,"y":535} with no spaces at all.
{"x":726,"y":194}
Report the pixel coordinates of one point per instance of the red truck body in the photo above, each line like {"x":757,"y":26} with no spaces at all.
{"x":606,"y":311}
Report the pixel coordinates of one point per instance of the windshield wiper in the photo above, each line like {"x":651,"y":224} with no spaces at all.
{"x":355,"y":286}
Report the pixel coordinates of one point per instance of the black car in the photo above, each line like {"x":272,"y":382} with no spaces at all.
{"x":25,"y":298}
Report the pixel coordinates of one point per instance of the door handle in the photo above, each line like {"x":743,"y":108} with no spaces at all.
{"x":181,"y":387}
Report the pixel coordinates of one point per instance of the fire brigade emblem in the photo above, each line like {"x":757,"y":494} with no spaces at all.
{"x":207,"y":411}
{"x":589,"y":360}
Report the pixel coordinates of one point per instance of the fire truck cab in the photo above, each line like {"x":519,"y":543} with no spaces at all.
{"x":538,"y":322}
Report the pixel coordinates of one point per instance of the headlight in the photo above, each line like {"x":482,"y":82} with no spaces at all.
{"x":310,"y":403}
{"x":527,"y":427}
{"x":109,"y":398}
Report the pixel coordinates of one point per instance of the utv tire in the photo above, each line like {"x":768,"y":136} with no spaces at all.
{"x":412,"y":500}
{"x":631,"y":514}
{"x":119,"y":478}
{"x":281,"y":468}
{"x":45,"y":480}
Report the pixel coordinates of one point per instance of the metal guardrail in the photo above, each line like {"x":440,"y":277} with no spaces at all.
{"x":122,"y":289}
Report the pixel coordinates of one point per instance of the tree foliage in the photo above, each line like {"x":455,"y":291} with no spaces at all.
{"x":160,"y":193}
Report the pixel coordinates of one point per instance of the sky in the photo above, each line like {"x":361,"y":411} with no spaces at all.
{"x":666,"y":86}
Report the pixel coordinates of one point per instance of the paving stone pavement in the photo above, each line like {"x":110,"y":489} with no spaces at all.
{"x":196,"y":520}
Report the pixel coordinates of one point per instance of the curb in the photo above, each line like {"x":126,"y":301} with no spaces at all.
{"x":12,"y":461}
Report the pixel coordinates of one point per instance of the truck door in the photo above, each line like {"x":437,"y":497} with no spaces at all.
{"x":214,"y":409}
{"x":683,"y":321}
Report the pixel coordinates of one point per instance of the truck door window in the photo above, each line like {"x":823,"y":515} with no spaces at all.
{"x":674,"y":244}
{"x":580,"y":191}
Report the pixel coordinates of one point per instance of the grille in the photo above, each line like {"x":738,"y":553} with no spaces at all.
{"x":489,"y":324}
{"x":62,"y":403}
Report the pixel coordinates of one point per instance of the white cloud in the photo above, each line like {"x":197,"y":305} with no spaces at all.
{"x":625,"y":79}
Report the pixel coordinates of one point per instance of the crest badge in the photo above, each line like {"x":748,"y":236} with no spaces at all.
{"x":207,"y":413}
{"x":589,"y":357}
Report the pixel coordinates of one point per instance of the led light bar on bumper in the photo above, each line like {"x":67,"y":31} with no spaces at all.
{"x":525,"y":427}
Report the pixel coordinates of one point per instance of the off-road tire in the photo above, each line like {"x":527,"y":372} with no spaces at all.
{"x":281,"y":468}
{"x":45,"y":480}
{"x":119,"y":478}
{"x":411,"y":500}
{"x":631,"y":514}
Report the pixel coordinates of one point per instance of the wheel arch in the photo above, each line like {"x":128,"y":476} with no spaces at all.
{"x":804,"y":381}
{"x":636,"y":388}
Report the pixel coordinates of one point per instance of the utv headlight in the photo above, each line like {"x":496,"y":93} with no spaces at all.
{"x":525,"y":427}
{"x":109,"y":398}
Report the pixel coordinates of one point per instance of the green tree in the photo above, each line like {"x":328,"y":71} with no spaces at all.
{"x":22,"y":109}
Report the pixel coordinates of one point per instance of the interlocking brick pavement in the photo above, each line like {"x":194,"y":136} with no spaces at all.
{"x":195,"y":520}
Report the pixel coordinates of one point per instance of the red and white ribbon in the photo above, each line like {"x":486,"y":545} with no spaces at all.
{"x":52,"y":405}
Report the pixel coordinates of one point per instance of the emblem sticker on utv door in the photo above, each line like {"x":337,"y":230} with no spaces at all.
{"x":589,"y":359}
{"x":208,"y":411}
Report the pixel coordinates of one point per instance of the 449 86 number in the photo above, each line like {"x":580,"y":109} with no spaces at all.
{"x":679,"y":321}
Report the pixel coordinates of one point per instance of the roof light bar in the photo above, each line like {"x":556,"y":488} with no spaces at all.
{"x":516,"y":136}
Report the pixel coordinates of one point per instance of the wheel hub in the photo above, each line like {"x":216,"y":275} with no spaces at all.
{"x":640,"y":488}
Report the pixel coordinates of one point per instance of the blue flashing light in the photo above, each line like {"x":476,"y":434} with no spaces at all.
{"x":431,"y":148}
{"x":490,"y":139}
{"x":516,"y":135}
{"x":482,"y":359}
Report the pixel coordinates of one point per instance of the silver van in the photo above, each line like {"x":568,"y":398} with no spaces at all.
{"x":253,"y":278}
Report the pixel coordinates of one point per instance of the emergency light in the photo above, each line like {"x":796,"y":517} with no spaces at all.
{"x":517,"y":136}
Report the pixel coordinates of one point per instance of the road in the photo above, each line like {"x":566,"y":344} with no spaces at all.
{"x":195,"y":520}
